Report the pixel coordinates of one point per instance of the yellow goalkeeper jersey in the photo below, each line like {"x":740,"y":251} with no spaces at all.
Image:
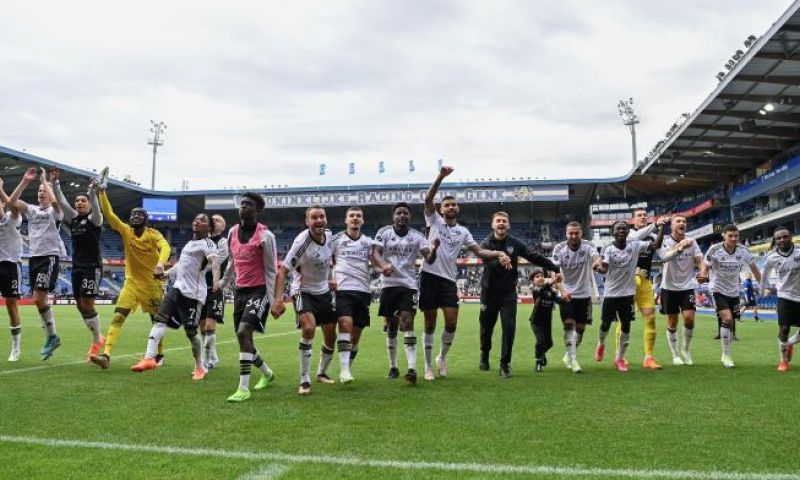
{"x":143,"y":252}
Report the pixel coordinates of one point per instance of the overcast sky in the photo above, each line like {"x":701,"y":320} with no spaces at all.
{"x":261,"y":93}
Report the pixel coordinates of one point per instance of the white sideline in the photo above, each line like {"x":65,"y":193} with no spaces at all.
{"x":403,"y":464}
{"x":128,"y":355}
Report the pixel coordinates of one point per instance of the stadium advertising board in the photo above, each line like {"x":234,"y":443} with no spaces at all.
{"x":336,"y":198}
{"x":773,"y":179}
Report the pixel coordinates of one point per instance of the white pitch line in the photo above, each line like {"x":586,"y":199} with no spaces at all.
{"x":498,"y":469}
{"x":272,"y":471}
{"x":127,"y":355}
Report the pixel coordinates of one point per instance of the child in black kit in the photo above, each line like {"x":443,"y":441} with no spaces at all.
{"x":545,"y":297}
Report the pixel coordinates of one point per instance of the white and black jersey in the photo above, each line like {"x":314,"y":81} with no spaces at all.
{"x":188,"y":272}
{"x":43,"y":231}
{"x":310,"y":263}
{"x":576,"y":267}
{"x":10,"y":238}
{"x":787,"y":269}
{"x":221,"y":244}
{"x":726,"y":267}
{"x":679,"y":271}
{"x":351,"y":261}
{"x":452,"y":240}
{"x":622,"y":264}
{"x":402,"y":252}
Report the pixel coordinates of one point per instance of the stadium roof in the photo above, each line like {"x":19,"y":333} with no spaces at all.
{"x":751,"y":117}
{"x":125,"y":195}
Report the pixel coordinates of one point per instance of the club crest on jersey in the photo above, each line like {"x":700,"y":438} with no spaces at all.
{"x":510,"y":249}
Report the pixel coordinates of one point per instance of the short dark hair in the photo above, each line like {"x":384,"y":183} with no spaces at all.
{"x":401,"y":205}
{"x":730,"y":228}
{"x":448,"y":197}
{"x":640,"y":210}
{"x":316,"y":206}
{"x":782,"y":227}
{"x":618,"y":222}
{"x":354,"y":209}
{"x":256,"y":198}
{"x":144,"y":212}
{"x":574,"y":224}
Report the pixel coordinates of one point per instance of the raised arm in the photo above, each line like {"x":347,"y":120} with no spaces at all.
{"x":430,"y":206}
{"x":61,"y":200}
{"x":30,"y":175}
{"x":659,"y":239}
{"x":111,"y":217}
{"x":48,"y":189}
{"x":96,"y":216}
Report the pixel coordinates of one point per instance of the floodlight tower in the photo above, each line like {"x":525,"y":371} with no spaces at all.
{"x":629,"y":119}
{"x":158,"y":128}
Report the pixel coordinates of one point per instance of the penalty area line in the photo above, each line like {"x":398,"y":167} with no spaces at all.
{"x":488,"y":468}
{"x":129,"y":355}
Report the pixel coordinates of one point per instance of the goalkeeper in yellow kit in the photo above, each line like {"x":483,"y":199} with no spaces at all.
{"x":146,"y":251}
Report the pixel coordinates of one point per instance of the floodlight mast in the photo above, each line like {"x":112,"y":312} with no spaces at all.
{"x":158,"y":128}
{"x":629,"y":119}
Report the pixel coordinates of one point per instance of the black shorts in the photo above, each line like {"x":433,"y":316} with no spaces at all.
{"x":321,"y":306}
{"x":10,"y":279}
{"x":214,"y":308}
{"x":621,"y":308}
{"x":724,"y":302}
{"x":86,"y":281}
{"x":788,"y":313}
{"x":751,"y":302}
{"x":436,"y":292}
{"x":176,"y":310}
{"x":677,"y":301}
{"x":397,"y":299}
{"x":43,"y":272}
{"x":578,"y":309}
{"x":354,"y":304}
{"x":250,"y":306}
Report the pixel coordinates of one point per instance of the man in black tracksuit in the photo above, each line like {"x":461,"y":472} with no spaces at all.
{"x":499,"y":290}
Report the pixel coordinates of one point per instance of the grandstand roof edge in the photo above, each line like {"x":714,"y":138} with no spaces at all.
{"x":730,"y":77}
{"x":147,"y":191}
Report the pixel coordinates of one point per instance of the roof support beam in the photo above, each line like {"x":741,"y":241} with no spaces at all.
{"x":779,"y":132}
{"x":790,"y":80}
{"x":691,"y":170}
{"x":745,"y":142}
{"x":746,"y":97}
{"x":714,"y":161}
{"x":774,"y":116}
{"x":760,"y":153}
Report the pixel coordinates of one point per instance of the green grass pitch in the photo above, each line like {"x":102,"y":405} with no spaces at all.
{"x":686,"y":422}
